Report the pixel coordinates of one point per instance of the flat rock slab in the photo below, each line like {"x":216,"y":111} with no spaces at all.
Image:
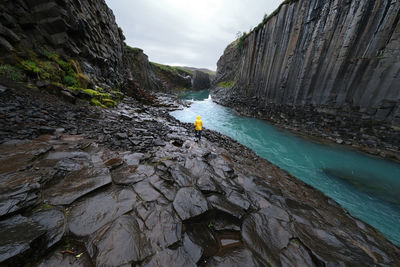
{"x":131,"y":175}
{"x":178,"y":257}
{"x":90,"y":214}
{"x":265,"y":234}
{"x":54,"y":222}
{"x":196,"y":166}
{"x":121,"y":242}
{"x":295,"y":254}
{"x":57,"y":258}
{"x":235,"y":257}
{"x":166,"y":189}
{"x":208,"y":185}
{"x":189,"y":202}
{"x":202,"y":236}
{"x":18,"y":190}
{"x":77,"y":184}
{"x":17,"y":155}
{"x":145,"y":191}
{"x":220,"y":203}
{"x":220,"y":165}
{"x":164,"y":227}
{"x":182,"y":176}
{"x":195,"y":251}
{"x":133,"y":159}
{"x":17,"y":234}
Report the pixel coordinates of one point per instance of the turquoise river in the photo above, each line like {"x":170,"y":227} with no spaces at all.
{"x":368,"y":187}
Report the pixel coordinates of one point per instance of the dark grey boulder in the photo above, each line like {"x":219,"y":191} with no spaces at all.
{"x":90,"y":214}
{"x":189,"y":202}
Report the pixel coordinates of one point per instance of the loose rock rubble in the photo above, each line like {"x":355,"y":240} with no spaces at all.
{"x":130,"y":186}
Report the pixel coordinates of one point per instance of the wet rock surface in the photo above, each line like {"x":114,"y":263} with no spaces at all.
{"x":129,"y":186}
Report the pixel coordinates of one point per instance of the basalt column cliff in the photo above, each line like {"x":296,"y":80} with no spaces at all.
{"x":332,"y":57}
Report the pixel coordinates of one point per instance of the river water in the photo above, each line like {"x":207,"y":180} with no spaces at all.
{"x":368,"y":187}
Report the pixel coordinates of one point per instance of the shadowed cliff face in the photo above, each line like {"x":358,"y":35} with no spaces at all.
{"x":338,"y":54}
{"x":201,"y":80}
{"x":140,"y":71}
{"x":75,"y":45}
{"x":80,"y":29}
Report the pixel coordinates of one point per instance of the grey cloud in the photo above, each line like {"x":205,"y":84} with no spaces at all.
{"x":187,"y":32}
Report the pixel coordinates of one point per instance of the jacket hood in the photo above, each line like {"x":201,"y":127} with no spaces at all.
{"x":198,"y":117}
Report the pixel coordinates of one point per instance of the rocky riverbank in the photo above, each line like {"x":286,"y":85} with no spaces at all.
{"x":347,"y":127}
{"x":129,"y":186}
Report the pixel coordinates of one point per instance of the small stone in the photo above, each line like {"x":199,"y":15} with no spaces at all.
{"x":46,"y":130}
{"x":121,"y":135}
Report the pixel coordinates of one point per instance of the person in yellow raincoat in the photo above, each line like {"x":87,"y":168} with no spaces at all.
{"x":198,"y":124}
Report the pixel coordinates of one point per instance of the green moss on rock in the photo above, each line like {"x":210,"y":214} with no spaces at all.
{"x":12,"y":73}
{"x":30,"y":66}
{"x":69,"y":80}
{"x":226,"y":84}
{"x":97,"y":102}
{"x":60,"y":73}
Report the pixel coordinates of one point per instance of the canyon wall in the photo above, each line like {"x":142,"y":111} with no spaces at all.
{"x":335,"y":56}
{"x":80,"y":29}
{"x":72,"y":45}
{"x":201,"y":80}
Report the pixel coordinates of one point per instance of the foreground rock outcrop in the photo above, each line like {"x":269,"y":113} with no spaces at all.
{"x":327,"y":65}
{"x":130,"y":186}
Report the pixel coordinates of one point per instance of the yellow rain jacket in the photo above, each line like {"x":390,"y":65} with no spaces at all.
{"x":198,"y":123}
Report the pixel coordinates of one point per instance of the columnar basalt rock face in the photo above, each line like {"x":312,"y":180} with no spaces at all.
{"x":227,"y":65}
{"x":201,"y":80}
{"x":139,"y":70}
{"x":339,"y":54}
{"x":81,"y":29}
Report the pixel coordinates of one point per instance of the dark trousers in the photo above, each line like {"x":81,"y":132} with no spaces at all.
{"x":198,"y":134}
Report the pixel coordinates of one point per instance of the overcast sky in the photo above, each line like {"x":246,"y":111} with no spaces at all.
{"x":187,"y":32}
